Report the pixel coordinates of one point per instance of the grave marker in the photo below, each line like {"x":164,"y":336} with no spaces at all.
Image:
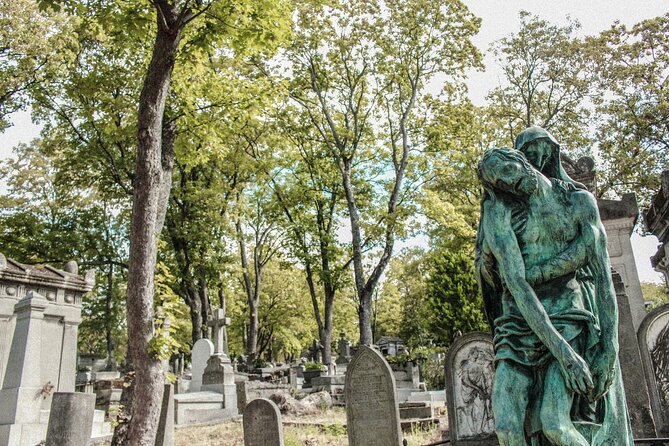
{"x":202,"y":351}
{"x":469,"y":378}
{"x":262,"y":424}
{"x":654,"y":346}
{"x":372,"y":413}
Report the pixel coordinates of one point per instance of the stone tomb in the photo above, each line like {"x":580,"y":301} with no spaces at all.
{"x":216,"y":397}
{"x":262,"y":424}
{"x":372,"y":413}
{"x":469,"y":378}
{"x":40,"y":310}
{"x":654,"y":346}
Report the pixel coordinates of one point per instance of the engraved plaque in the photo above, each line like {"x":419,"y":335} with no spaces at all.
{"x":372,"y":414}
{"x":262,"y":424}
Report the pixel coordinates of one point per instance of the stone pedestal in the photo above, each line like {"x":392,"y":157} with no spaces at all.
{"x":637,"y":393}
{"x":619,"y":218}
{"x":21,"y":394}
{"x":71,"y":420}
{"x":219,"y":377}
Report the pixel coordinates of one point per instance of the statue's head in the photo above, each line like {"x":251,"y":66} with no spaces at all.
{"x":507,"y":170}
{"x":538,"y":145}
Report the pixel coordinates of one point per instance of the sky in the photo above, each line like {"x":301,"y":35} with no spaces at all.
{"x":499,"y":18}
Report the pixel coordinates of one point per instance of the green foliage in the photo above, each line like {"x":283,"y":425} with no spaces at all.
{"x":454,"y":299}
{"x":171,"y":328}
{"x":548,"y":78}
{"x":313,"y":366}
{"x":402,"y":309}
{"x":656,"y":295}
{"x":633,"y":67}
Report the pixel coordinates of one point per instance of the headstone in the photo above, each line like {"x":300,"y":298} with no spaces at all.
{"x":634,"y":381}
{"x":165,"y":433}
{"x":202,"y":351}
{"x":71,"y":419}
{"x":654,"y":346}
{"x":469,"y":378}
{"x":344,"y":349}
{"x":372,"y":413}
{"x":262,"y":424}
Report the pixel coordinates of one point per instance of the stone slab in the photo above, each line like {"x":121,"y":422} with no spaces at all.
{"x":262,"y":424}
{"x":71,"y":419}
{"x":202,"y":351}
{"x":165,"y":433}
{"x":470,"y":417}
{"x":372,"y":413}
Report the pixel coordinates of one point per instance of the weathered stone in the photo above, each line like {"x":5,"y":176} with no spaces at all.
{"x":40,"y":309}
{"x":619,"y":218}
{"x":71,"y":419}
{"x":248,"y":391}
{"x":372,"y":413}
{"x":202,"y":351}
{"x":344,"y":349}
{"x":469,"y":378}
{"x":654,"y":346}
{"x":636,"y":388}
{"x":262,"y":424}
{"x":165,"y":432}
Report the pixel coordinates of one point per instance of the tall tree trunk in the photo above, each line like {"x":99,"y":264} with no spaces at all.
{"x":251,"y":344}
{"x":151,"y":188}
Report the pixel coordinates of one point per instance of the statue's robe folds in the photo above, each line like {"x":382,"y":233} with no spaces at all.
{"x":571,"y":304}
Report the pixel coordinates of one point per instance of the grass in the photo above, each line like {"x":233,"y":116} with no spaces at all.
{"x":324,"y":429}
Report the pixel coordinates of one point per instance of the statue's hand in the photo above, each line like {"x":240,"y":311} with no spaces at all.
{"x":576,"y":372}
{"x":603,"y":362}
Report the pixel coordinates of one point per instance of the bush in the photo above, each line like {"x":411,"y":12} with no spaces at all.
{"x":311,"y":366}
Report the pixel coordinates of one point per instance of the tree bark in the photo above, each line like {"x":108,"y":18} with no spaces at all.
{"x":151,"y":188}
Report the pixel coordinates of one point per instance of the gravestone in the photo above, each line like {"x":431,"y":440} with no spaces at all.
{"x":469,"y":378}
{"x":262,"y":424}
{"x":654,"y":346}
{"x":165,"y":432}
{"x":218,"y":375}
{"x":71,"y":419}
{"x":202,"y":351}
{"x":344,"y":349}
{"x":372,"y":413}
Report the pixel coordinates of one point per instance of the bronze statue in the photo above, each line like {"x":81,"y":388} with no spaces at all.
{"x":545,"y":275}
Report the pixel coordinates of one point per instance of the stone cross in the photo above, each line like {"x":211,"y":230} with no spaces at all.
{"x":218,"y":322}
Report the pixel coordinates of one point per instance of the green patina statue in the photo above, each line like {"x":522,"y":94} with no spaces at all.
{"x":544,"y":271}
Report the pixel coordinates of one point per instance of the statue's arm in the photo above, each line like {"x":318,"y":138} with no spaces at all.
{"x":504,"y":246}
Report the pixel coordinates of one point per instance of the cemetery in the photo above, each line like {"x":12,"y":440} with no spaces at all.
{"x":378,"y":223}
